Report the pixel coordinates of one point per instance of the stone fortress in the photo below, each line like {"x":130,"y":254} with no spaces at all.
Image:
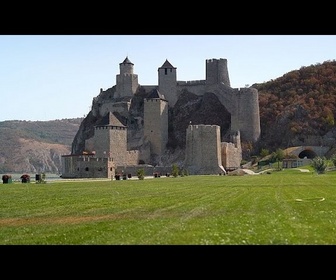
{"x":124,"y":142}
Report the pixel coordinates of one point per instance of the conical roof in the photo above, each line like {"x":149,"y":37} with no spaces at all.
{"x":155,"y":94}
{"x":110,"y":119}
{"x":167,"y":64}
{"x":127,"y":61}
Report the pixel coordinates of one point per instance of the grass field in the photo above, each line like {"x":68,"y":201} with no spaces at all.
{"x":283,"y":207}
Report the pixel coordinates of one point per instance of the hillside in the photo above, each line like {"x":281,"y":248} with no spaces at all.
{"x":35,"y":146}
{"x":299,"y":108}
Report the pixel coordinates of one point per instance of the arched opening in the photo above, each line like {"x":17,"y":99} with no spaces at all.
{"x":310,"y":154}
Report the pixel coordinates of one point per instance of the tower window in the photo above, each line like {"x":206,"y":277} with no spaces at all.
{"x":166,"y":71}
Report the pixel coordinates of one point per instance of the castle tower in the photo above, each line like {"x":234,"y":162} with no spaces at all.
{"x":246,"y":116}
{"x":167,"y":82}
{"x":127,"y":82}
{"x":203,"y":150}
{"x":110,"y":139}
{"x":217,"y":71}
{"x":156,"y":122}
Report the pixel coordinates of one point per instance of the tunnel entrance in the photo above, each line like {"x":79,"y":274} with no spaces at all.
{"x":307,"y":154}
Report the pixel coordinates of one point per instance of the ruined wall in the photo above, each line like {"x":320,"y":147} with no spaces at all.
{"x":231,"y":156}
{"x":232,"y":152}
{"x":120,"y":107}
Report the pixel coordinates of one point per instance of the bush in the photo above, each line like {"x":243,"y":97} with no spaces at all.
{"x":333,"y":159}
{"x":25,"y":178}
{"x":319,"y":164}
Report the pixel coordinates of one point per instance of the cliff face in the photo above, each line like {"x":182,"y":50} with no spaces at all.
{"x":34,"y":156}
{"x":35,"y":146}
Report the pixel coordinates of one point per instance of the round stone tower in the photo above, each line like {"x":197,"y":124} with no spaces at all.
{"x":217,"y":71}
{"x":127,"y":81}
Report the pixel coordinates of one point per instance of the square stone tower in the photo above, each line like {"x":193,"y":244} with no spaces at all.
{"x":110,"y":139}
{"x":203,"y":150}
{"x":156,"y":122}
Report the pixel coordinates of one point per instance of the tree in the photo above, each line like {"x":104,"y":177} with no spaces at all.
{"x":175,"y":170}
{"x":141,"y":174}
{"x":278,"y":156}
{"x":264,"y":152}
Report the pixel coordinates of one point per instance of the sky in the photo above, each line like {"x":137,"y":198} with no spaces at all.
{"x":50,"y":77}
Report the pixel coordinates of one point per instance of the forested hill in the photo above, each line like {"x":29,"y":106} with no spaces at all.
{"x":35,"y":146}
{"x":299,"y":107}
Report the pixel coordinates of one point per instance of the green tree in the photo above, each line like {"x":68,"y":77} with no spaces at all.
{"x":264,"y":152}
{"x":175,"y":170}
{"x":141,"y":174}
{"x":278,"y":156}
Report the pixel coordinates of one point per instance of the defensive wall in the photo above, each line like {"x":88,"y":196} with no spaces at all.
{"x":231,"y":152}
{"x":241,"y":103}
{"x":82,"y":166}
{"x":149,"y":170}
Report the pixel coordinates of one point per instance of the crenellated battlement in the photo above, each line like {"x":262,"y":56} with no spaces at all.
{"x":101,"y":127}
{"x":191,"y":83}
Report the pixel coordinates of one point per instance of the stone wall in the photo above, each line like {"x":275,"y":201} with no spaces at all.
{"x":87,"y":167}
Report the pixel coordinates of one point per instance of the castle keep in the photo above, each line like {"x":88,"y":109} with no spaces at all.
{"x":124,"y":141}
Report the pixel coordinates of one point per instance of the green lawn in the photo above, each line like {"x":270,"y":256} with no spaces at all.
{"x":283,"y":207}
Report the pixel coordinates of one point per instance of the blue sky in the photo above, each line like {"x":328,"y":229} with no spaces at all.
{"x":49,"y":77}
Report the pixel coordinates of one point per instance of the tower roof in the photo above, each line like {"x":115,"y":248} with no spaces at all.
{"x":110,"y":119}
{"x":155,"y":94}
{"x":127,"y":61}
{"x":167,"y":64}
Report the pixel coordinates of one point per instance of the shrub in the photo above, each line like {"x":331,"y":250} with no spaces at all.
{"x":319,"y":164}
{"x":333,"y":159}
